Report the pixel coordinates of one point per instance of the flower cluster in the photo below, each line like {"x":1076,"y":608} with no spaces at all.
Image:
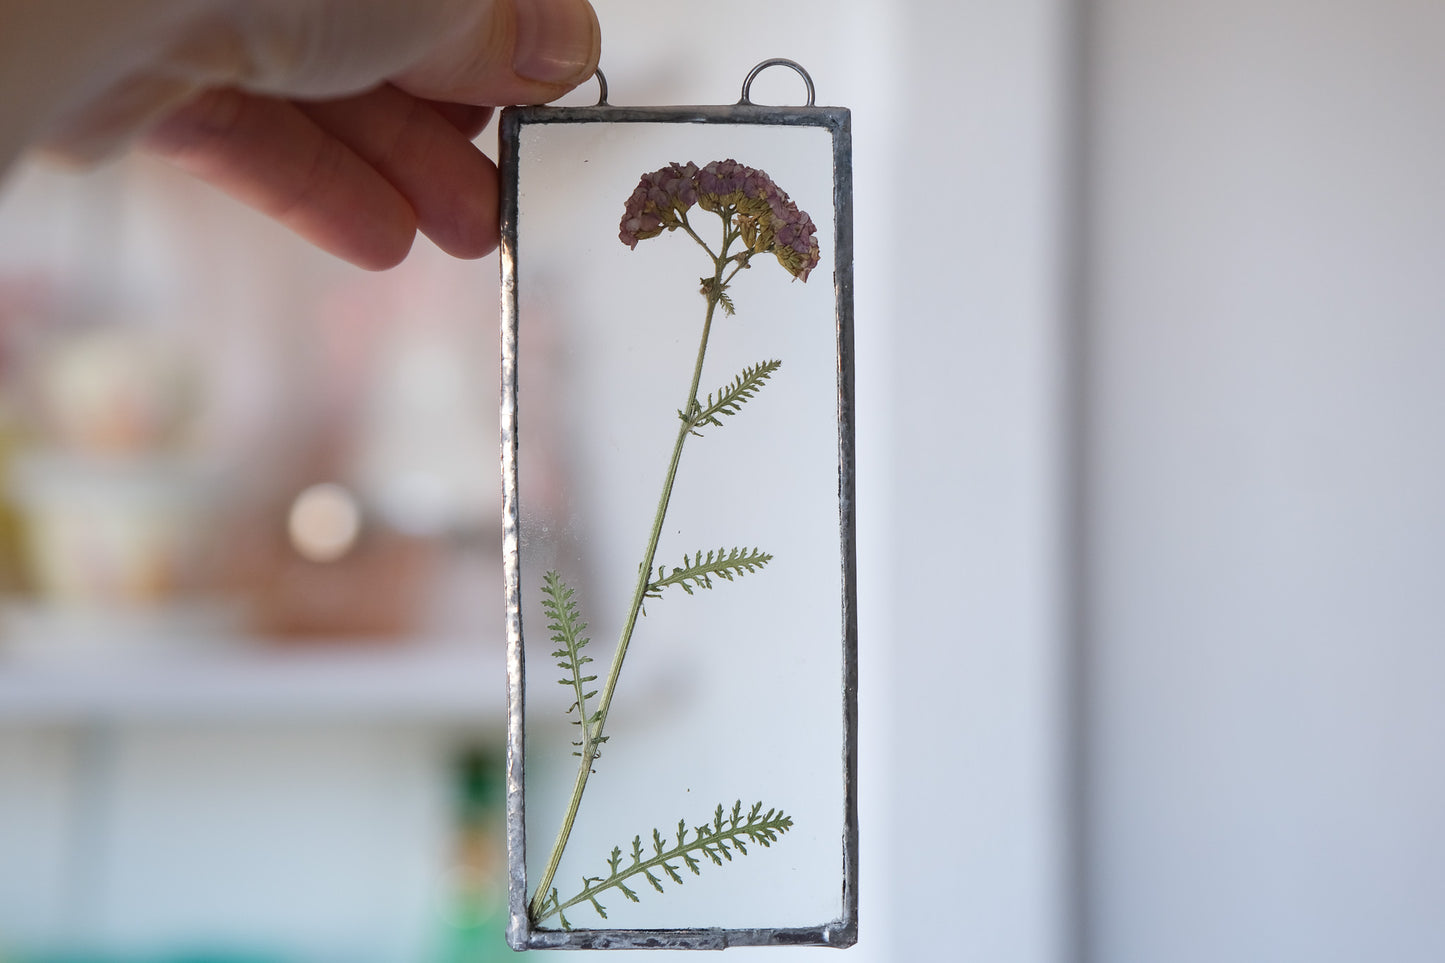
{"x":657,"y":201}
{"x":767,"y":220}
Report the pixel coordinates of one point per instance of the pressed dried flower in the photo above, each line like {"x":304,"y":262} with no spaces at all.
{"x":760,"y":215}
{"x":763,"y":214}
{"x":658,"y":202}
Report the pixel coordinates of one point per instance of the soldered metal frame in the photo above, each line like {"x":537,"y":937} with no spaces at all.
{"x":840,"y":932}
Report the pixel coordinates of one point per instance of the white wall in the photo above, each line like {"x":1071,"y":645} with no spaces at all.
{"x":976,"y":452}
{"x":1265,"y":482}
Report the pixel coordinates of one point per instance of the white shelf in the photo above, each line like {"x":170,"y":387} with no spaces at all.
{"x":257,"y":683}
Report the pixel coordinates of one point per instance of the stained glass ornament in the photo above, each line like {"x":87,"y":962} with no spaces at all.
{"x":677,"y":453}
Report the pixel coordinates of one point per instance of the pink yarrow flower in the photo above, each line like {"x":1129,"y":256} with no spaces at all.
{"x":767,"y":218}
{"x":656,"y":203}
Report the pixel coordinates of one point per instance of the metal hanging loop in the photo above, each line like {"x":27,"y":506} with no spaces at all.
{"x":776,"y":62}
{"x":601,"y":88}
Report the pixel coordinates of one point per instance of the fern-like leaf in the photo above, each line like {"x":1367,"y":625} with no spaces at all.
{"x":729,"y":399}
{"x":566,"y":626}
{"x":698,"y":571}
{"x":728,"y":831}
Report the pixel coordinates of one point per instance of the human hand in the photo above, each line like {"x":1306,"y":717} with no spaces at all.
{"x":350,"y":121}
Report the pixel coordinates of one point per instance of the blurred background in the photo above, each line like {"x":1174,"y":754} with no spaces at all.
{"x":1149,"y":329}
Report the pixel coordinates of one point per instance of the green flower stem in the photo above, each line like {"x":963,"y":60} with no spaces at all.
{"x":593,"y":731}
{"x":686,"y":226}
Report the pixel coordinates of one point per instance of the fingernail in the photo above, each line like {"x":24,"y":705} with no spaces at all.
{"x":556,"y":40}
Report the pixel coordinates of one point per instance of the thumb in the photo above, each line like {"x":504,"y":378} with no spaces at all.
{"x":519,"y":52}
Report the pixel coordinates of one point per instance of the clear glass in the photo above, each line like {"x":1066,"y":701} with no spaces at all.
{"x":729,"y":693}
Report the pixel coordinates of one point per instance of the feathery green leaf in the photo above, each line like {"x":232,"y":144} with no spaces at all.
{"x":716,"y":841}
{"x":566,"y":625}
{"x":697,"y":571}
{"x":729,"y":399}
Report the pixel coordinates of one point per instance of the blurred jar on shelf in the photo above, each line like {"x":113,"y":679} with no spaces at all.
{"x":118,"y":516}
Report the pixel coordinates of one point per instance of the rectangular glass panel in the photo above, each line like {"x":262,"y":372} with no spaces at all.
{"x":681,"y":401}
